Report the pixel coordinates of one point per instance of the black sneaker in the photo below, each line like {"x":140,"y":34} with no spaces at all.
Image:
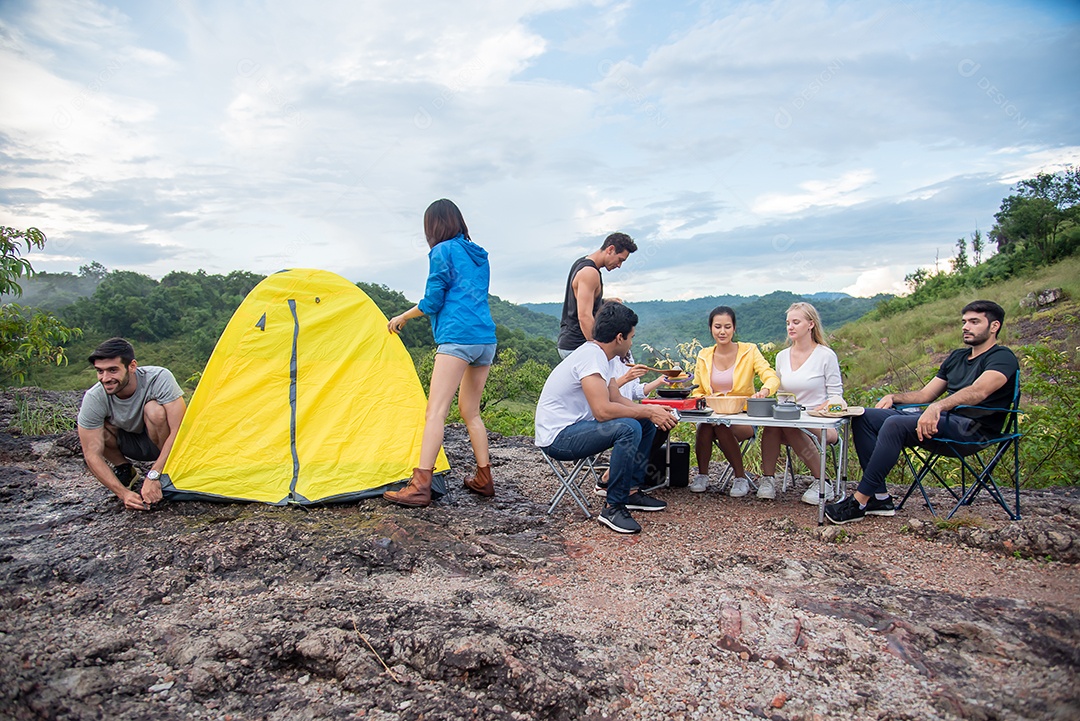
{"x":876,"y":507}
{"x":618,"y":519}
{"x":600,"y":489}
{"x":845,"y":511}
{"x":638,"y":501}
{"x":127,"y":474}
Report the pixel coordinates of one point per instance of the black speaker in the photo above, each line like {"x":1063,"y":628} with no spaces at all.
{"x":658,"y":466}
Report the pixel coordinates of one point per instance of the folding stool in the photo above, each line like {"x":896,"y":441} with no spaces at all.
{"x":571,"y":478}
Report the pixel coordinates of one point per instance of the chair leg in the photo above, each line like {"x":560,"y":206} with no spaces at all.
{"x":569,"y":482}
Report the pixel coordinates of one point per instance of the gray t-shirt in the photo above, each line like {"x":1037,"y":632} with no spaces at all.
{"x":152,"y":383}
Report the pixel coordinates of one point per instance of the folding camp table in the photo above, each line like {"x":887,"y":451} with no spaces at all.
{"x":806,"y":421}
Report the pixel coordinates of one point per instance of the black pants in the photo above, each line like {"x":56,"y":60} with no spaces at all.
{"x":881,"y":434}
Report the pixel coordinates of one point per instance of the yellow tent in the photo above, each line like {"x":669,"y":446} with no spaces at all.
{"x":307,"y":398}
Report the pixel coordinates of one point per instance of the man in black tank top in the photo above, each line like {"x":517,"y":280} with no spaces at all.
{"x":585,"y":290}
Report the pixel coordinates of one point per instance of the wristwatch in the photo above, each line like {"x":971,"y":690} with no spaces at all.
{"x":153,"y":475}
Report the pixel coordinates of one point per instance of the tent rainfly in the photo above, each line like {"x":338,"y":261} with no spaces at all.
{"x":306,"y":399}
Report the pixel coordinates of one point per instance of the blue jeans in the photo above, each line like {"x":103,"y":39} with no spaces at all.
{"x":881,"y":434}
{"x":629,"y":440}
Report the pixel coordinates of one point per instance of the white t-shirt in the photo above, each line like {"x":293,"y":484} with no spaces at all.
{"x":816,"y":380}
{"x":562,"y":402}
{"x":632,"y":391}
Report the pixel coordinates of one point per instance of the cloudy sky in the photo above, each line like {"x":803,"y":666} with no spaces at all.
{"x":748,"y":146}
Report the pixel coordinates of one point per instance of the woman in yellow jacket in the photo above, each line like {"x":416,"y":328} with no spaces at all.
{"x":728,"y":367}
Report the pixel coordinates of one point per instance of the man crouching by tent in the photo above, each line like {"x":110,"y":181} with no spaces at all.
{"x":581,"y":412}
{"x":133,"y":412}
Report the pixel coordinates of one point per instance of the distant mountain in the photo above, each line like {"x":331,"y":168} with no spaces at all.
{"x":526,"y":318}
{"x":675,"y":307}
{"x":665,"y":324}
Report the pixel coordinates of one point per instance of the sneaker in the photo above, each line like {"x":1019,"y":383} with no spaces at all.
{"x":766,"y":488}
{"x":811,"y":494}
{"x":875,"y":507}
{"x":739,"y":487}
{"x":845,"y":511}
{"x":600,"y":489}
{"x":127,"y":474}
{"x":618,"y":519}
{"x":638,"y":501}
{"x":700,"y":483}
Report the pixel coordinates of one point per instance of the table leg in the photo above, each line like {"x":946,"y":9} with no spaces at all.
{"x":821,"y":481}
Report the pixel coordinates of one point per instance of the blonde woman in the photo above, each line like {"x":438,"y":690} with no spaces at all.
{"x":728,"y":367}
{"x":808,"y":368}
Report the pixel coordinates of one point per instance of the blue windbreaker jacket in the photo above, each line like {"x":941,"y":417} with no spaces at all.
{"x":456,"y":295}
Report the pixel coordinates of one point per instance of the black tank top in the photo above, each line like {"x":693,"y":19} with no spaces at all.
{"x":570,"y":335}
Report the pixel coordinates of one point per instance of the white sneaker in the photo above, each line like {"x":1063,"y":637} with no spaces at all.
{"x":700,"y":483}
{"x":739,"y":487}
{"x":766,"y":488}
{"x":811,"y":495}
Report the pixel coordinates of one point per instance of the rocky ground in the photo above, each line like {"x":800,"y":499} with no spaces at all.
{"x":489,"y":609}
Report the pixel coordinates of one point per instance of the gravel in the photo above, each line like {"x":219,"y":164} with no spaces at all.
{"x":477,"y":608}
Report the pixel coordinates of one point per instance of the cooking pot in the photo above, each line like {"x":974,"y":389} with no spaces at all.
{"x":760,"y":407}
{"x":787,"y":411}
{"x":675,"y":392}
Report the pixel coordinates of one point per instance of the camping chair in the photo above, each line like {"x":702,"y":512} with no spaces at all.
{"x":980,"y":459}
{"x":789,"y":465}
{"x":728,"y":474}
{"x":571,"y":478}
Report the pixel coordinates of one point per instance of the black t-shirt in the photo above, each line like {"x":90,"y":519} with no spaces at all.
{"x":960,"y":371}
{"x":570,"y":335}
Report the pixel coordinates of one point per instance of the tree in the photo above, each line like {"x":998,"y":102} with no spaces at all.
{"x":13,"y":266}
{"x":1038,"y":211}
{"x":960,"y":260}
{"x":27,"y":336}
{"x":977,"y":246}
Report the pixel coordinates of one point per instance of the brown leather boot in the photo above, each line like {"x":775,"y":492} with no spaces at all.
{"x":415,"y":495}
{"x":481,"y":483}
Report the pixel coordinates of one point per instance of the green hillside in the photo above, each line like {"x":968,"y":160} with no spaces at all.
{"x":903,"y":351}
{"x":761,"y":319}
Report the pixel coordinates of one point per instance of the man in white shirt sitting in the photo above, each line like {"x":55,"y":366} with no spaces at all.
{"x":581,"y":412}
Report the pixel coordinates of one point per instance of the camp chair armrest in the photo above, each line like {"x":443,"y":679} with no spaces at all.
{"x":905,"y":406}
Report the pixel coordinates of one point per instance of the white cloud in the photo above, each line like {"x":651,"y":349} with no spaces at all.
{"x":842,"y":191}
{"x":254,"y":135}
{"x":878,"y":280}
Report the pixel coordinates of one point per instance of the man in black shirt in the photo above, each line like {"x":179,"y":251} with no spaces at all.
{"x":982,"y":374}
{"x":585,"y":290}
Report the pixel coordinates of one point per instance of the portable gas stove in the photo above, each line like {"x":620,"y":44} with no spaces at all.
{"x":679,"y":404}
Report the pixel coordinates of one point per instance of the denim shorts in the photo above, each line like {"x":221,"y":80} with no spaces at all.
{"x":481,"y":354}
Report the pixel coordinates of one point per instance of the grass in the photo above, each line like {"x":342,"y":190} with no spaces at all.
{"x":41,"y":419}
{"x":955,"y":524}
{"x":907,"y":348}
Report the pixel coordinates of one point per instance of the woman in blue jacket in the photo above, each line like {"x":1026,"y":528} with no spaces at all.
{"x":456,"y":300}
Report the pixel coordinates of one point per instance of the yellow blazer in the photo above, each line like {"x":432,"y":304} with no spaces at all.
{"x":748,"y":361}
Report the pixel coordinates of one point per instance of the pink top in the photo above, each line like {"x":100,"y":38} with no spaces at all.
{"x":723,"y":380}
